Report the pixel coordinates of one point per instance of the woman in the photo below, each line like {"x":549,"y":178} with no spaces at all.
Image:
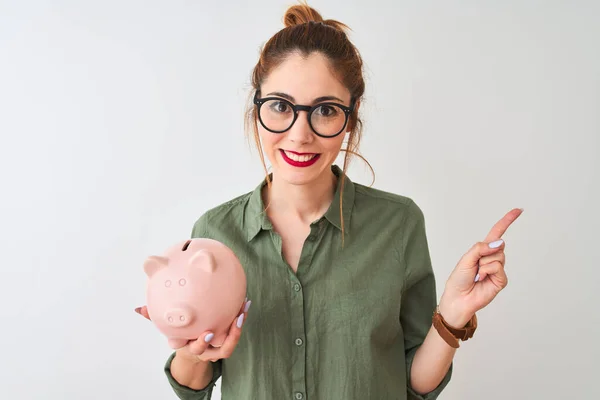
{"x":340,"y":274}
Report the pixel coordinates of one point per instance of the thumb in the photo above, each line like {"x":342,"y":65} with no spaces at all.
{"x":199,"y":346}
{"x":481,"y":249}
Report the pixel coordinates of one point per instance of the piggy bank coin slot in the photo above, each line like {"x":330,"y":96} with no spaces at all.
{"x":185,"y":246}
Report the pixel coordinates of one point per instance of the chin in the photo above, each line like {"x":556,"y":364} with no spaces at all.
{"x":299,"y":176}
{"x":298,"y":179}
{"x":287,"y":174}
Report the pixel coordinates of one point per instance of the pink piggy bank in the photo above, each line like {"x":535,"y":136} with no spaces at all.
{"x":196,"y":286}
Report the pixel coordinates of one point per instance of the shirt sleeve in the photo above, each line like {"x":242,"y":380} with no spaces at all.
{"x":186,"y":393}
{"x":419,"y":297}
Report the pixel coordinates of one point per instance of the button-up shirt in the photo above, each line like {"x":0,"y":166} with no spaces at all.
{"x":345,"y":325}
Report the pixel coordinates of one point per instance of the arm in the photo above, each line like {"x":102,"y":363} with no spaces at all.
{"x":431,"y":363}
{"x":434,"y":357}
{"x":192,"y":380}
{"x":194,"y":374}
{"x":474,"y":283}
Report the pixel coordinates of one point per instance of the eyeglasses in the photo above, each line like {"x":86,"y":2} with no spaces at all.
{"x":326,"y":119}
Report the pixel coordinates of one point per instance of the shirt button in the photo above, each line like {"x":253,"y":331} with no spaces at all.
{"x":299,"y":396}
{"x":299,"y":342}
{"x":297,"y":287}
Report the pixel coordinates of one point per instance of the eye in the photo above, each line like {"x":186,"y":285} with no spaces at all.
{"x":279,"y":106}
{"x":168,"y":283}
{"x":182,"y":282}
{"x":327,"y":111}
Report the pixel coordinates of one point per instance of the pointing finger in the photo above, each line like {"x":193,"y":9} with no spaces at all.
{"x":501,"y":226}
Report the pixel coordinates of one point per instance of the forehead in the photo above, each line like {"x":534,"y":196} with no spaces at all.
{"x":305,"y":78}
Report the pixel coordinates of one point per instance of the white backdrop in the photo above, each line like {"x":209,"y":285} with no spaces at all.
{"x":121,"y":122}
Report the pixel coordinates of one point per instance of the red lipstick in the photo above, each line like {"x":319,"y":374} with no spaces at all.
{"x":299,"y":163}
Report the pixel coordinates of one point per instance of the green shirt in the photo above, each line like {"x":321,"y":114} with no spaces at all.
{"x":347,"y":324}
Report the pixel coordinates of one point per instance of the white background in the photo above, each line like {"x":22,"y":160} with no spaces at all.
{"x":122,"y":122}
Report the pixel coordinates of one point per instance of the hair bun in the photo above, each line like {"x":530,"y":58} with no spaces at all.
{"x":303,"y":14}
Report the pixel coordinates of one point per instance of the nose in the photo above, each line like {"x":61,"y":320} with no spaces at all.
{"x":178,"y":317}
{"x":301,"y":131}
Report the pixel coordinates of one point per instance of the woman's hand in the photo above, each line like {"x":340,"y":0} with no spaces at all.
{"x":200,"y":349}
{"x":478,"y":277}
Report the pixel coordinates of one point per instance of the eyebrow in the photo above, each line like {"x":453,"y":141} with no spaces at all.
{"x":317,"y":100}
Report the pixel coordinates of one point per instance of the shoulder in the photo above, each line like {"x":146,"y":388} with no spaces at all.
{"x":398,"y":207}
{"x":227,"y":216}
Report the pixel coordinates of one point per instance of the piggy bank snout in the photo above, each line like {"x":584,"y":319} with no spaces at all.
{"x":178,"y":317}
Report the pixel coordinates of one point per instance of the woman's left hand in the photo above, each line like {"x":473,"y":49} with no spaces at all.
{"x":478,"y":277}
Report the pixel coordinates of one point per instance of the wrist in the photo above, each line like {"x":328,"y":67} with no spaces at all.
{"x":195,"y":374}
{"x":453,"y":314}
{"x":188,"y":358}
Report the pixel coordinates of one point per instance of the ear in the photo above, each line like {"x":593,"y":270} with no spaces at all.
{"x":204,"y":261}
{"x":154,"y":263}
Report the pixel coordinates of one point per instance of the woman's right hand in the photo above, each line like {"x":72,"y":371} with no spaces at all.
{"x":200,"y":350}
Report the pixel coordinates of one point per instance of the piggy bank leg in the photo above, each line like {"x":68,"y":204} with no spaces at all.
{"x":177,"y":343}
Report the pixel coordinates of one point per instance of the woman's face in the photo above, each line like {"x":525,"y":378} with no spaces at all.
{"x":298,"y":156}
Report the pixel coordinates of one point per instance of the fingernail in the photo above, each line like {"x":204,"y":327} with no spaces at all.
{"x":240,"y":320}
{"x":496,"y":244}
{"x":138,"y":310}
{"x":209,"y":337}
{"x":247,"y":306}
{"x":477,"y":278}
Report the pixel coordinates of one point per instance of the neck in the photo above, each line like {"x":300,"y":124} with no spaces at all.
{"x":306,"y":203}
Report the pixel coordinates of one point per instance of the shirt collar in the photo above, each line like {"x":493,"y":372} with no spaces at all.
{"x":255,"y":218}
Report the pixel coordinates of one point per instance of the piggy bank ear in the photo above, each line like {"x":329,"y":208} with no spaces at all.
{"x":204,"y":261}
{"x":154,"y":263}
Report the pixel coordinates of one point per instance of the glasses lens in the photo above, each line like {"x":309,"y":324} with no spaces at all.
{"x":277,"y":115}
{"x":328,"y":119}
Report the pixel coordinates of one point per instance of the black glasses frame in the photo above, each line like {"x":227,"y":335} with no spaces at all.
{"x":309,"y":110}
